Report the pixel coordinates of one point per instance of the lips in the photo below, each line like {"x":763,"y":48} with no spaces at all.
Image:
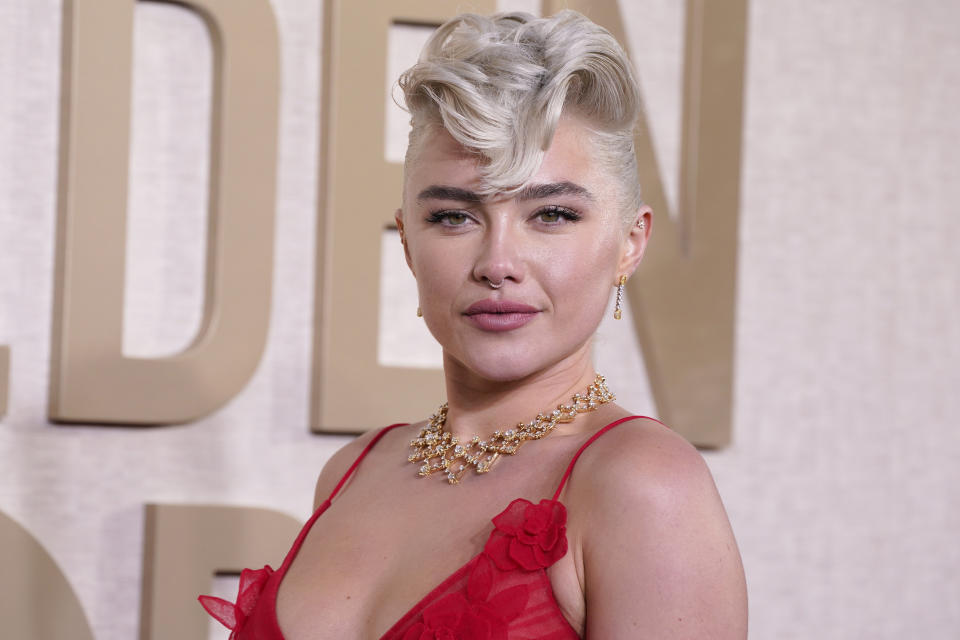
{"x":500,"y":315}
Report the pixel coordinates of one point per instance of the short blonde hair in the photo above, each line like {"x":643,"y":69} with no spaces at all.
{"x":499,"y":85}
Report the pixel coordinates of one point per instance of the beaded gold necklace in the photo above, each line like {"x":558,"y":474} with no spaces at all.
{"x":440,"y":450}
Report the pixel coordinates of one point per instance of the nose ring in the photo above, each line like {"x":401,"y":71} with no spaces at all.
{"x":495,"y":286}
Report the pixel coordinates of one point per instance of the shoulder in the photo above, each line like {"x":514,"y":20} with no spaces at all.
{"x":655,"y":541}
{"x":339,"y":463}
{"x":641,"y":459}
{"x":641,"y":469}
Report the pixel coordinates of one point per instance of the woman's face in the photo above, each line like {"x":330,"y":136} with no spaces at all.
{"x":556,"y":249}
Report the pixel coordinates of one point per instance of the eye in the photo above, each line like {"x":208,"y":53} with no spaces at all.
{"x":448,"y":218}
{"x":554,"y":215}
{"x":455,"y":219}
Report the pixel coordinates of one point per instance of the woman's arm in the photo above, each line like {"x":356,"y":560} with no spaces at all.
{"x":659,"y":557}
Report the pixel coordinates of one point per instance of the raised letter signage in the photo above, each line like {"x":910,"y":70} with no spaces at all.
{"x":684,"y":297}
{"x":90,"y":379}
{"x":359,"y":192}
{"x":185,"y":545}
{"x":36,"y":601}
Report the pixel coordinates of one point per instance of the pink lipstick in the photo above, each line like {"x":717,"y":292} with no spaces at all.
{"x":500,"y":315}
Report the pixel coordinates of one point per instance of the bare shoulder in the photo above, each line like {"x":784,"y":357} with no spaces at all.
{"x":642,"y":457}
{"x":338,"y":464}
{"x":643,"y":468}
{"x":659,"y":556}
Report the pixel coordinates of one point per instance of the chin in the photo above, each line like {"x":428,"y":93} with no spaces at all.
{"x":505,"y":363}
{"x":497,"y":365}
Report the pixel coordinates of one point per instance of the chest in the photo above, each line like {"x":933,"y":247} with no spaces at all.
{"x":373,"y":556}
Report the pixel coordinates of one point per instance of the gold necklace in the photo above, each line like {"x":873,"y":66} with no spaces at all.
{"x":434,"y":444}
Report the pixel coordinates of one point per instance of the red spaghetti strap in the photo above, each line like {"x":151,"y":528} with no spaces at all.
{"x":586,"y":444}
{"x":326,"y":505}
{"x":362,"y":455}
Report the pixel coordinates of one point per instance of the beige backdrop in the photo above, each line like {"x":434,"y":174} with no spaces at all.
{"x":842,"y":481}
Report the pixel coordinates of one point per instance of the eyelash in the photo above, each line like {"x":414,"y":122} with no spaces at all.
{"x":441,"y":216}
{"x":568,"y":215}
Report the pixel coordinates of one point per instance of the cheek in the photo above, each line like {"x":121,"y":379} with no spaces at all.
{"x":585,"y":270}
{"x":439,"y":271}
{"x":585,"y":286}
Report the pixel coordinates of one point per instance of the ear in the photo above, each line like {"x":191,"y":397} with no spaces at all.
{"x":635,"y":242}
{"x":398,"y":218}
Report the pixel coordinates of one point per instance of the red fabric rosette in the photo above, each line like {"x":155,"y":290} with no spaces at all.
{"x":529,"y":536}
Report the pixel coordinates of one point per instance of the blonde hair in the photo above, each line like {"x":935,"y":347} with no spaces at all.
{"x":499,"y":85}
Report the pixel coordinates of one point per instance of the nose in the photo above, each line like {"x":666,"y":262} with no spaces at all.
{"x":500,"y":256}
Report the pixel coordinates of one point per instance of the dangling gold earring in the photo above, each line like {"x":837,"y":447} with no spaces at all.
{"x":616,"y":309}
{"x":419,"y":312}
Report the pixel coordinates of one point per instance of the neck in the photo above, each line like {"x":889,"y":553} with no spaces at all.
{"x":479,"y":406}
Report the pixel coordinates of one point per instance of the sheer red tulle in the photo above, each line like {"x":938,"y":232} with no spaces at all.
{"x":502,"y":593}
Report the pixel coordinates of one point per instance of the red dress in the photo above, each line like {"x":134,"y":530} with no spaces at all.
{"x":502,"y":593}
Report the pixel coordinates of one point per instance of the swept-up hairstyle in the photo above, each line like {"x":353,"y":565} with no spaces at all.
{"x":499,"y":84}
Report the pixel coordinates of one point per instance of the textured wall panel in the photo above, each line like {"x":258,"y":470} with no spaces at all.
{"x":841,"y":481}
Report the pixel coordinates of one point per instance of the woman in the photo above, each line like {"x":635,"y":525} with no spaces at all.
{"x":521,"y":216}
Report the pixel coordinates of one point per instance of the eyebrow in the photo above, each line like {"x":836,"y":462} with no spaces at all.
{"x":530,"y":192}
{"x":551,"y":189}
{"x":442,"y":192}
